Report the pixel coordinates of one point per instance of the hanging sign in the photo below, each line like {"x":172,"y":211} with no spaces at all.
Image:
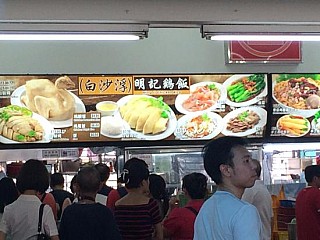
{"x":263,"y":52}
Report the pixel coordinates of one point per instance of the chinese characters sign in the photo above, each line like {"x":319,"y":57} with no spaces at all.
{"x":105,"y":85}
{"x":160,"y":85}
{"x":150,"y":85}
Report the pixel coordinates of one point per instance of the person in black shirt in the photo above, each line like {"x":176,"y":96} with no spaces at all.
{"x":104,"y":190}
{"x":59,"y":194}
{"x":86,"y":219}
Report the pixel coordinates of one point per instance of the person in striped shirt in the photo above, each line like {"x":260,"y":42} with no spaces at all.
{"x":137,"y":215}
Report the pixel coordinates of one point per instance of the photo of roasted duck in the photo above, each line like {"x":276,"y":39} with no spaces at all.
{"x":17,"y":124}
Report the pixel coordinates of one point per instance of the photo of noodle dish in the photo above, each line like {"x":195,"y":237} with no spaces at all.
{"x":205,"y":125}
{"x":293,"y":125}
{"x":204,"y":96}
{"x":245,"y":90}
{"x":297,"y":94}
{"x":147,"y":117}
{"x":20,"y":125}
{"x":244,"y":121}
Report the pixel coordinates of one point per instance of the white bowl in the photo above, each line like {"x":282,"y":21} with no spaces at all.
{"x":107,"y":108}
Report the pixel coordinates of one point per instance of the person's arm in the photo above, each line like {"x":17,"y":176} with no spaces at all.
{"x":65,"y":204}
{"x":169,"y":220}
{"x":49,"y":199}
{"x":112,"y":198}
{"x":158,"y":231}
{"x":2,"y":236}
{"x":54,"y":238}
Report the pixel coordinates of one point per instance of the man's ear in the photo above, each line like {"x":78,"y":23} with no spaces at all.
{"x":225,"y":170}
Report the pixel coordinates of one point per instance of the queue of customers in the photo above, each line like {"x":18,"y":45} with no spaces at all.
{"x":141,"y":209}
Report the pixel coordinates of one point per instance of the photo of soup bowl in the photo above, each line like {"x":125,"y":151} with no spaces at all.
{"x":107,"y":108}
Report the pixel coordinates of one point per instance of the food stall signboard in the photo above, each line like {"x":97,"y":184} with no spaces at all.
{"x":263,"y":52}
{"x":55,"y":109}
{"x":296,"y":105}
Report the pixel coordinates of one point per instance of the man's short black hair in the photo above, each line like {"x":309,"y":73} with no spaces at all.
{"x":311,"y":172}
{"x":196,"y":185}
{"x":56,"y":179}
{"x":88,"y":179}
{"x":33,"y":176}
{"x":104,"y":171}
{"x":218,"y":152}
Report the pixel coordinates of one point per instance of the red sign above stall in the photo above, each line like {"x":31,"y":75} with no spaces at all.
{"x":264,"y":52}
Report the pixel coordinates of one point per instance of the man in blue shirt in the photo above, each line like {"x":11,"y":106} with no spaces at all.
{"x":224,"y":215}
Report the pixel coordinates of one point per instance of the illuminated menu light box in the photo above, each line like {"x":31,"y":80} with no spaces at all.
{"x":62,"y":109}
{"x":295,"y":105}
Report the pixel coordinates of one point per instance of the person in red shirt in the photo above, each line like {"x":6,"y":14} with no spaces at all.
{"x":178,"y":223}
{"x":308,"y":206}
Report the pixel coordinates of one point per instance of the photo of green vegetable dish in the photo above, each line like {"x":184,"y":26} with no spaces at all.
{"x":246,"y":88}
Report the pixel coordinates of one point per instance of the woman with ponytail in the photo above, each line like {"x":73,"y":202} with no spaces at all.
{"x":137,"y":215}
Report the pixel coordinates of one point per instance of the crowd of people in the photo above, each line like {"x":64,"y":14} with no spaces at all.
{"x":140,"y":207}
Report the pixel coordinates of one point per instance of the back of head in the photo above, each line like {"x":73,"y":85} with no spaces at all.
{"x":33,"y":176}
{"x":104,"y":171}
{"x":157,"y":186}
{"x":88,"y":180}
{"x":311,"y":172}
{"x":217,"y":152}
{"x":8,"y":192}
{"x":196,"y":185}
{"x":134,"y":172}
{"x":56,"y":179}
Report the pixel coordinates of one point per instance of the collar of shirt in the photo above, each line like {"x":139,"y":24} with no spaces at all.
{"x":31,"y":198}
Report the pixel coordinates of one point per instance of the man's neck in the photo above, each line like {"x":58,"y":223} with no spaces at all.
{"x":231,"y":189}
{"x":58,"y":187}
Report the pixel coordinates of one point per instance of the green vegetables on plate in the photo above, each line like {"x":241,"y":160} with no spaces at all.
{"x":246,"y":88}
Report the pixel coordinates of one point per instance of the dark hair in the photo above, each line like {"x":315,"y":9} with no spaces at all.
{"x":8,"y":192}
{"x":33,"y":176}
{"x":73,"y":182}
{"x":218,"y":152}
{"x":195,"y":184}
{"x":103,"y":170}
{"x":258,"y":167}
{"x":134,"y":172}
{"x":56,"y":179}
{"x":311,"y":172}
{"x":157,"y":188}
{"x":88,"y":179}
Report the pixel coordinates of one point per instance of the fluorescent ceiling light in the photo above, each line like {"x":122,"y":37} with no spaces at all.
{"x":262,"y":32}
{"x":264,"y":38}
{"x":66,"y":37}
{"x":71,"y":31}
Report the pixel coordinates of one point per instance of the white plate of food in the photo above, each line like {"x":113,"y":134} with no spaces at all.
{"x":79,"y":107}
{"x":203,"y":97}
{"x":297,"y":95}
{"x":293,"y":125}
{"x":194,"y":126}
{"x":244,"y":121}
{"x":245,"y":90}
{"x":113,"y":126}
{"x":29,"y":128}
{"x":149,"y":118}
